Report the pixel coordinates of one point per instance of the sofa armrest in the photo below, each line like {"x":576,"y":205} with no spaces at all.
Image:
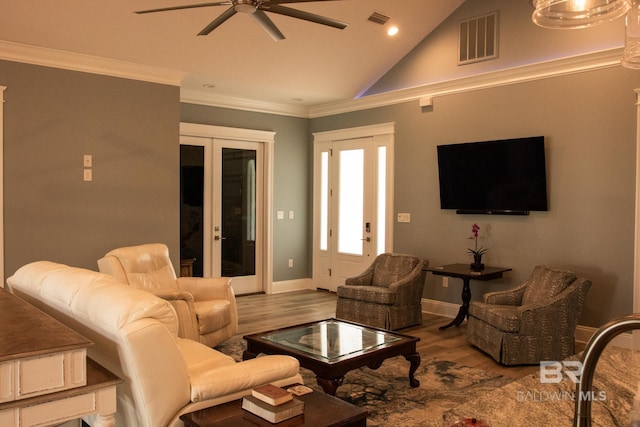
{"x":213,"y":381}
{"x":207,"y":288}
{"x":182,"y":303}
{"x":506,"y":297}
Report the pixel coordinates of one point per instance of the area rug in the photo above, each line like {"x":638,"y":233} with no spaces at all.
{"x":615,"y":385}
{"x":386,"y":394}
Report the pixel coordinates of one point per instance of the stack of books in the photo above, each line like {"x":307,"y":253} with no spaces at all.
{"x":272,"y":403}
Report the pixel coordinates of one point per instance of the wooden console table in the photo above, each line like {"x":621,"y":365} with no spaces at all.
{"x":464,"y":272}
{"x":45,"y":375}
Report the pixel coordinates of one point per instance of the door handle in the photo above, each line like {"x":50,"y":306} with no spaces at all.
{"x":368,"y":239}
{"x":219,"y":238}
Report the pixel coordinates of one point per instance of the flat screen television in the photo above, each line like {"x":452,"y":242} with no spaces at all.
{"x":493,"y":177}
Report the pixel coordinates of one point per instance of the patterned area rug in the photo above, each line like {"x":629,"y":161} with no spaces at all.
{"x":386,"y":393}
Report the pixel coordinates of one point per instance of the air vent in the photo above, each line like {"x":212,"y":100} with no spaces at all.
{"x":378,"y":18}
{"x":478,"y":39}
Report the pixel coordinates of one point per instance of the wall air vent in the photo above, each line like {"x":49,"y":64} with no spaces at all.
{"x":478,"y":39}
{"x":378,"y":18}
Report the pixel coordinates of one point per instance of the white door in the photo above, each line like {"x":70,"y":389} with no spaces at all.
{"x":352,"y":205}
{"x":222,"y":205}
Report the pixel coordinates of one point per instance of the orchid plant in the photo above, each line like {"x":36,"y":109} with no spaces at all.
{"x":475,"y":229}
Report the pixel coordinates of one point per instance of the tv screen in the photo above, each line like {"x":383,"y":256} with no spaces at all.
{"x":502,"y":177}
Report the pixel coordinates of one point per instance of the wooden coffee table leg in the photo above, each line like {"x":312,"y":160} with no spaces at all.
{"x":414,"y":359}
{"x":246,"y":355}
{"x":329,"y":386}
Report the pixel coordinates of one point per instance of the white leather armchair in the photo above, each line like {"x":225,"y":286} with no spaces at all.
{"x":206,"y":307}
{"x":135,"y":337}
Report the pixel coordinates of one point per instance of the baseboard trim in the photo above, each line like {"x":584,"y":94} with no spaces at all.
{"x":291,"y":285}
{"x":583,"y":333}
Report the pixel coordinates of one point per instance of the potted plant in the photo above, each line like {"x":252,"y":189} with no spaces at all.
{"x":477,"y":253}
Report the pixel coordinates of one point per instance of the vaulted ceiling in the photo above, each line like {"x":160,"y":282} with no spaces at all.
{"x":313,"y":65}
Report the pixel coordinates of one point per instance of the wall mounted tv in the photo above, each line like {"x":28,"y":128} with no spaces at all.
{"x":505,"y":177}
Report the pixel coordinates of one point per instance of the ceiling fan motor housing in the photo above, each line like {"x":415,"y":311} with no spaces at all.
{"x":245,"y":6}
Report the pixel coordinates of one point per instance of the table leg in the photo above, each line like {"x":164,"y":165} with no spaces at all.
{"x":463,"y":312}
{"x":246,"y":355}
{"x":105,"y":421}
{"x":414,"y":359}
{"x":329,"y":386}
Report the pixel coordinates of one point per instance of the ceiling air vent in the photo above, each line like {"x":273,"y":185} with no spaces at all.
{"x":378,"y":18}
{"x":478,"y":39}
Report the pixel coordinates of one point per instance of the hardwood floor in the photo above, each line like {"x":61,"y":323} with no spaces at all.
{"x":265,"y":312}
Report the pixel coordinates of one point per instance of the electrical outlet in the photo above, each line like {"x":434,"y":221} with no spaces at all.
{"x":404,"y":217}
{"x":445,"y":282}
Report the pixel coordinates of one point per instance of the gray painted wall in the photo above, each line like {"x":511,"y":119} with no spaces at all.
{"x":52,"y":118}
{"x":589,"y":123}
{"x":292,"y":181}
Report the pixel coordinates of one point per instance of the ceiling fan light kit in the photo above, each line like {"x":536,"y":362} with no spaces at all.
{"x":257,"y":9}
{"x":572,"y":14}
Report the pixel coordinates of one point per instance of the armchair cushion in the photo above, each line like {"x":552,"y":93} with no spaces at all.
{"x":545,"y":283}
{"x":373,"y":294}
{"x":504,"y":317}
{"x":212,"y":315}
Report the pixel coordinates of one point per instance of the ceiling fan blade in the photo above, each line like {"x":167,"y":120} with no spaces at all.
{"x":189,"y":6}
{"x":307,"y":16}
{"x":218,"y":21}
{"x":268,"y":25}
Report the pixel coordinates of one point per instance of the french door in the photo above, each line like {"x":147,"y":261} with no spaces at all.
{"x":222,"y":209}
{"x":353,"y":202}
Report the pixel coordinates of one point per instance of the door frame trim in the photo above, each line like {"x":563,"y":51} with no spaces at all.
{"x":384,"y":131}
{"x":268,"y":139}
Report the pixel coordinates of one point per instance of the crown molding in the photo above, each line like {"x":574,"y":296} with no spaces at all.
{"x":425,"y":94}
{"x":212,"y":100}
{"x":422,"y":94}
{"x":35,"y":55}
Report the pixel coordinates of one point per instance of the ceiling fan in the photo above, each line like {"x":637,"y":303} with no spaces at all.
{"x":257,"y":9}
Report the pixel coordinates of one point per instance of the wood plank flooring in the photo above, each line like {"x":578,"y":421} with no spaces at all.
{"x":265,"y":312}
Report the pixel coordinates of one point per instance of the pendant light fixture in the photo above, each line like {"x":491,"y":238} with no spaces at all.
{"x":631,"y":54}
{"x":570,"y":14}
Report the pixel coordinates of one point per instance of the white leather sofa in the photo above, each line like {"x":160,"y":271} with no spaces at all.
{"x":135,"y":337}
{"x":206,"y":307}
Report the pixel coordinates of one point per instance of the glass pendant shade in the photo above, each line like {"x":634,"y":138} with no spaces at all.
{"x":572,"y":14}
{"x":631,"y":54}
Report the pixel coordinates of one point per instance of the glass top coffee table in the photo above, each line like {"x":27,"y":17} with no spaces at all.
{"x":331,"y":348}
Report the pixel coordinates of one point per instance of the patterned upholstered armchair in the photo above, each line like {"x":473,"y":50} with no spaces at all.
{"x":386,"y":295}
{"x":533,"y":322}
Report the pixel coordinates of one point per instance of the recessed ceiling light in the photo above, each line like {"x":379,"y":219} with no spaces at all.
{"x":209,"y":85}
{"x":392,"y":31}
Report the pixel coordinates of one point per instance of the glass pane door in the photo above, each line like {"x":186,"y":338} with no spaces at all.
{"x":191,"y":205}
{"x":351,"y":190}
{"x":238,"y":212}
